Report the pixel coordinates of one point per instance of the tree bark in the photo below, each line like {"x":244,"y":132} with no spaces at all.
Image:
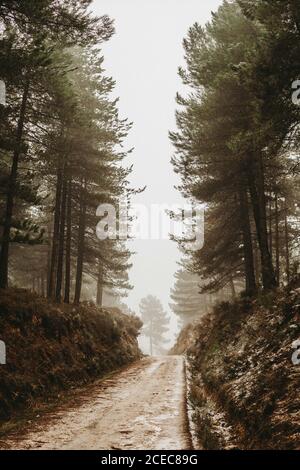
{"x":80,"y":246}
{"x":43,"y":290}
{"x":4,"y":255}
{"x":271,"y":228}
{"x":247,"y":244}
{"x":287,"y":249}
{"x":277,"y":240}
{"x":55,"y":236}
{"x":259,"y":212}
{"x":49,"y":236}
{"x":232,"y":288}
{"x":61,"y":242}
{"x":257,"y":264}
{"x":68,"y":245}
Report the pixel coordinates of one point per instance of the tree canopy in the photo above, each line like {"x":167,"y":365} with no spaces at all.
{"x":236,"y":144}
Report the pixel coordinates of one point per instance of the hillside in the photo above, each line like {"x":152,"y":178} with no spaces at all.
{"x":244,"y":385}
{"x":53,"y":347}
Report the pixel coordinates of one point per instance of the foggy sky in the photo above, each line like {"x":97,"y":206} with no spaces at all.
{"x":143,"y":57}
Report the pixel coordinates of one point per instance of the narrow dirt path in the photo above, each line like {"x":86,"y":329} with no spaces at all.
{"x":143,"y":407}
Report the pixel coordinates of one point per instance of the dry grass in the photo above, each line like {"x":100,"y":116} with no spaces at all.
{"x":51,"y":348}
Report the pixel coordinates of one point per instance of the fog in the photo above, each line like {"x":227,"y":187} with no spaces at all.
{"x":143,"y":57}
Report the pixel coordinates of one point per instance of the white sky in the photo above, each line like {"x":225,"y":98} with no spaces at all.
{"x":143,"y":57}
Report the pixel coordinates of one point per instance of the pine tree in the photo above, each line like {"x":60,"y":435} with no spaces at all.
{"x":30,"y":35}
{"x":155,"y":322}
{"x":68,"y":151}
{"x":188,"y":304}
{"x":231,"y":147}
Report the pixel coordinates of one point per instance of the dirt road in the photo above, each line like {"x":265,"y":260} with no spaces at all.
{"x":143,"y":407}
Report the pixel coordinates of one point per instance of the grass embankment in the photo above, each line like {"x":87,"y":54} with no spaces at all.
{"x":51,"y":348}
{"x":245,"y":387}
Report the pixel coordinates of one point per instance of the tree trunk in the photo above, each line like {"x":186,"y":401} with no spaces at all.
{"x":257,"y":264}
{"x":271,"y":228}
{"x":4,"y":255}
{"x":43,"y":284}
{"x":277,"y":240}
{"x":259,"y":212}
{"x":55,"y":236}
{"x":247,"y":243}
{"x":68,"y":245}
{"x":61,"y":242}
{"x":49,"y":236}
{"x":232,"y":288}
{"x":80,"y":247}
{"x":287,"y":249}
{"x":100,"y":285}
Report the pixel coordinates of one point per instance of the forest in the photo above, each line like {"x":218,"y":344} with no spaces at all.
{"x":61,"y":152}
{"x":237,"y":145}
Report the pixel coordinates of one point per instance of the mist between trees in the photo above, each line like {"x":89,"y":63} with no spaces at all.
{"x":61,"y":152}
